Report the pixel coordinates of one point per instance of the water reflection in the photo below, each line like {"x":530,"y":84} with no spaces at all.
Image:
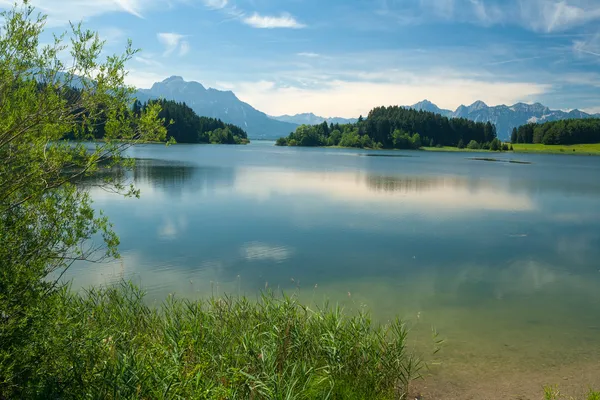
{"x":400,"y":193}
{"x":494,"y":255}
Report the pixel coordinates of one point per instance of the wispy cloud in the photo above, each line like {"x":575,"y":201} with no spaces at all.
{"x":172,"y":42}
{"x":148,"y":61}
{"x":284,"y":20}
{"x":131,"y":6}
{"x":308,"y":54}
{"x":184,"y":48}
{"x":216,"y":4}
{"x":590,"y":46}
{"x":545,"y":16}
{"x":514,"y":60}
{"x":60,"y":12}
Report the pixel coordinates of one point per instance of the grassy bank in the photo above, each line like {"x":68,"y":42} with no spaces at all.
{"x":108,"y":344}
{"x":581,"y":149}
{"x":457,"y":150}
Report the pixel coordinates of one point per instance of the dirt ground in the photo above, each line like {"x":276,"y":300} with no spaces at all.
{"x":574,"y":381}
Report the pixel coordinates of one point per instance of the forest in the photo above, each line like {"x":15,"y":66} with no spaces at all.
{"x":185,"y":126}
{"x":568,"y":131}
{"x":397,"y":128}
{"x":182,"y":123}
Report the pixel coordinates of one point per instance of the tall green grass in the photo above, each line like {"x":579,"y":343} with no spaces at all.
{"x":108,"y":344}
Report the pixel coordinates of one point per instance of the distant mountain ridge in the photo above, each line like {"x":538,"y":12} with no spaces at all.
{"x":223,"y":105}
{"x":312,"y":119}
{"x":504,"y":117}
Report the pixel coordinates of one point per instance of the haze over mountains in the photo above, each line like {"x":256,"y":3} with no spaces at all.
{"x":312,"y":119}
{"x":227,"y":107}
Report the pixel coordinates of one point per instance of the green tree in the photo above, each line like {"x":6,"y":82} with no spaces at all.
{"x":514,"y":136}
{"x":461,"y":144}
{"x":46,"y":218}
{"x":496,"y":145}
{"x":416,"y":141}
{"x":473,"y":145}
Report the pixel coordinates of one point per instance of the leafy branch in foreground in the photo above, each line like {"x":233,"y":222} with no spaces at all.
{"x":46,"y":220}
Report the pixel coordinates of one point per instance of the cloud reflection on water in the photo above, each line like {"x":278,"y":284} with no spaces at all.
{"x":398,"y":193}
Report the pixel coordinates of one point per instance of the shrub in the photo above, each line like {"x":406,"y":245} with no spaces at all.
{"x":495,"y":145}
{"x":473,"y":145}
{"x":461,"y":144}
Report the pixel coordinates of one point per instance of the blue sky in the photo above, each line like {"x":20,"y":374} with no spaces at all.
{"x":343,"y":57}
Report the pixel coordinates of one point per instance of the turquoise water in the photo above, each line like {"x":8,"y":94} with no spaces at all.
{"x":504,"y":259}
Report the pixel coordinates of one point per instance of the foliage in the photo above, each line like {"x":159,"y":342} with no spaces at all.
{"x":568,"y":131}
{"x":394,"y":127}
{"x":473,"y":145}
{"x":187,"y":127}
{"x":404,"y":140}
{"x":46,"y":220}
{"x":495,"y":145}
{"x":109,"y":344}
{"x":461,"y":144}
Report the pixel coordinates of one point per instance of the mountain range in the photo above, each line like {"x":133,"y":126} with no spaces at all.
{"x":226,"y":106}
{"x":312,"y":119}
{"x":504,"y":117}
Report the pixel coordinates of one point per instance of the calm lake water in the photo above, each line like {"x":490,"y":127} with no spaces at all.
{"x":503,"y":259}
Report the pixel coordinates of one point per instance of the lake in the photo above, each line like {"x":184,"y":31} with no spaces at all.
{"x":502,"y":259}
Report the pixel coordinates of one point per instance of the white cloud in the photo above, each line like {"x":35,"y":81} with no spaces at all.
{"x":351,"y":98}
{"x":537,"y":15}
{"x":269,"y":22}
{"x":148,"y":61}
{"x":60,"y":12}
{"x":553,"y":15}
{"x":131,"y":6}
{"x":589,"y":47}
{"x":224,"y":85}
{"x":143,"y":79}
{"x":592,"y":110}
{"x":309,"y":55}
{"x":184,"y":48}
{"x":215,"y":4}
{"x":172,"y":42}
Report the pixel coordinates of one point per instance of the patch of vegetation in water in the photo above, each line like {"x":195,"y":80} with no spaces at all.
{"x":489,"y":159}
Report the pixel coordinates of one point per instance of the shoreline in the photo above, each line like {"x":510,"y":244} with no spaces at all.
{"x":573,"y":150}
